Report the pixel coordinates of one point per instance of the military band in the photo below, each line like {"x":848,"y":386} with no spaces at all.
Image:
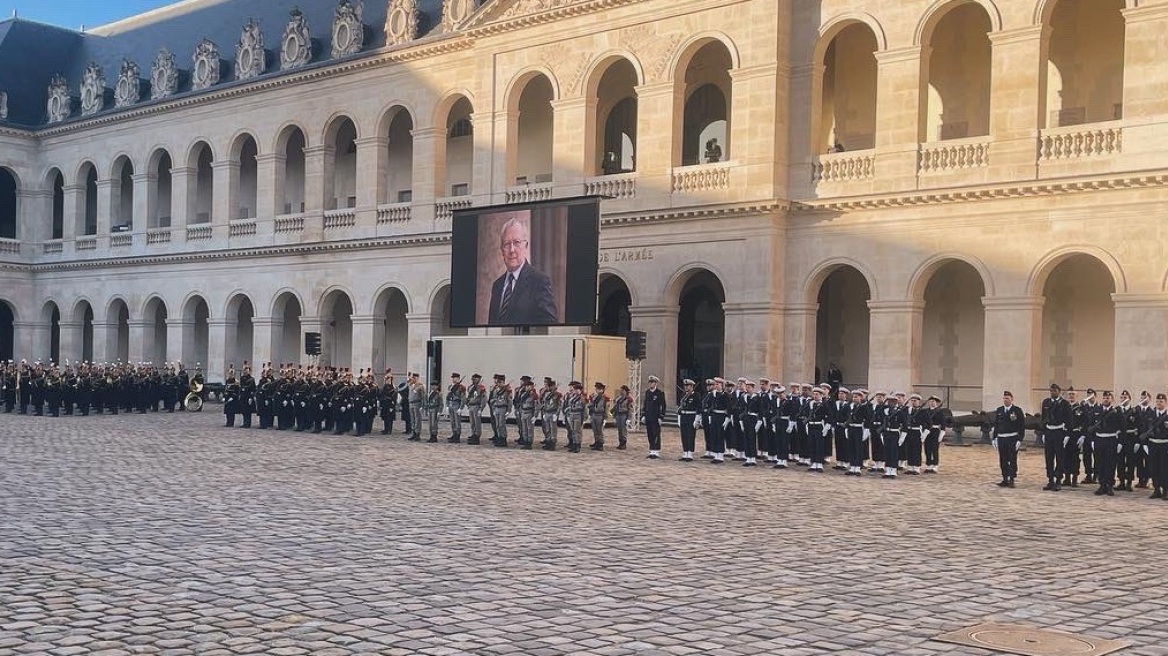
{"x":1115,"y":444}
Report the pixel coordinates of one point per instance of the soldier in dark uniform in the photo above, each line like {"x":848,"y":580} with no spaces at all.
{"x":719,"y":421}
{"x":689,"y":418}
{"x":265,"y":392}
{"x":387,"y":402}
{"x":1105,"y":432}
{"x":403,"y":396}
{"x":752,"y":423}
{"x":837,"y":419}
{"x":815,"y":423}
{"x":1009,"y":425}
{"x":433,"y":406}
{"x":1056,"y":420}
{"x":1155,"y":445}
{"x":231,"y":397}
{"x":894,"y":433}
{"x":1126,"y":451}
{"x":1146,"y":412}
{"x":247,"y":391}
{"x":916,"y":429}
{"x":940,"y":419}
{"x":476,"y":397}
{"x":455,"y":400}
{"x":733,"y":432}
{"x":707,"y":397}
{"x":652,"y":414}
{"x":856,"y":428}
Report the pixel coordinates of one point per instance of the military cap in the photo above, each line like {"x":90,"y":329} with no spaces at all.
{"x":624,"y":388}
{"x":575,"y":383}
{"x":764,"y":381}
{"x":526,"y":379}
{"x":456,"y":375}
{"x":1161,"y":397}
{"x":548,"y":379}
{"x":780,"y":389}
{"x":654,"y":379}
{"x":1054,"y":387}
{"x":914,"y":395}
{"x":719,"y":379}
{"x":476,"y":377}
{"x":934,"y":397}
{"x":600,"y":385}
{"x":688,"y":382}
{"x":845,"y":390}
{"x":500,"y":377}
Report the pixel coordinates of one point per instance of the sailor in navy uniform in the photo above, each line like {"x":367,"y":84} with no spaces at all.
{"x":652,"y":414}
{"x":1056,"y":420}
{"x":689,"y":419}
{"x":1009,"y":424}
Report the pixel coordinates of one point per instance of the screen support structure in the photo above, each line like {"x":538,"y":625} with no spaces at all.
{"x":635,"y":370}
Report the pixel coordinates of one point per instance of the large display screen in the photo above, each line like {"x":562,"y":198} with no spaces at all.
{"x":533,"y":264}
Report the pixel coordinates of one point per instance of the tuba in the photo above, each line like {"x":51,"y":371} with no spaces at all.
{"x":196,"y":387}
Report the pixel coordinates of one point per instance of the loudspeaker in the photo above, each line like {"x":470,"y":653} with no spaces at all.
{"x":312,"y":343}
{"x":635,"y":345}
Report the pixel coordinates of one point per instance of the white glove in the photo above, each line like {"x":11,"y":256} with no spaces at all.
{"x":758,"y":425}
{"x":1066,"y":440}
{"x":679,"y":421}
{"x":994,"y":442}
{"x":1081,"y":441}
{"x":1119,"y":448}
{"x":790,"y":427}
{"x":867,"y":434}
{"x":628,"y":423}
{"x":940,"y":437}
{"x":900,"y":442}
{"x":697,"y":422}
{"x":1018,"y":445}
{"x":1146,"y":451}
{"x":726,"y":423}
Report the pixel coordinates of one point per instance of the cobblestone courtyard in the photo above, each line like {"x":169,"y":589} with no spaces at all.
{"x":171,"y":535}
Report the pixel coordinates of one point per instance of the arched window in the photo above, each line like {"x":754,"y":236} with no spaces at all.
{"x":616,"y":119}
{"x":959,"y":75}
{"x":706,"y":125}
{"x":1084,"y":75}
{"x":847,"y":111}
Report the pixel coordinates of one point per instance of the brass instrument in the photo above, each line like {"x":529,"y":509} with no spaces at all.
{"x":196,"y":387}
{"x":193,"y":402}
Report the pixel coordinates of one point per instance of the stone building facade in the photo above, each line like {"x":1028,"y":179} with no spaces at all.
{"x":958,"y":195}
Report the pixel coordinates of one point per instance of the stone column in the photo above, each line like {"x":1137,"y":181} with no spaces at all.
{"x":74,"y":215}
{"x":506,"y":156}
{"x":315,"y":168}
{"x":217,"y":348}
{"x":894,"y":336}
{"x":145,"y":190}
{"x":1013,"y":326}
{"x":572,"y":133}
{"x":104,"y":338}
{"x":799,"y":335}
{"x":182,"y":180}
{"x":364,"y":328}
{"x":1141,"y":345}
{"x":1016,"y":101}
{"x":429,"y":171}
{"x":71,"y":341}
{"x":26,"y":342}
{"x":225,"y":201}
{"x":754,"y":339}
{"x":418,"y":333}
{"x":141,"y":341}
{"x":482,"y":180}
{"x":105,"y":207}
{"x":657,"y":125}
{"x":1144,"y":79}
{"x":269,"y":186}
{"x":659,"y":322}
{"x":177,"y":331}
{"x":372,"y":162}
{"x":898,"y":116}
{"x":266,"y":332}
{"x":34,"y":215}
{"x":755,"y":132}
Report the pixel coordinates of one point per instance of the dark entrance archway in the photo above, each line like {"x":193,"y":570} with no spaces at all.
{"x":701,"y":327}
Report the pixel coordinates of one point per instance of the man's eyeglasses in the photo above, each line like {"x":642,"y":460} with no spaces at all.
{"x":514,"y":244}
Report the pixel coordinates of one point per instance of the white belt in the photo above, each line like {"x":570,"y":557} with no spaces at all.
{"x":687,"y":412}
{"x":815,"y":423}
{"x":1107,"y":434}
{"x":856,"y":425}
{"x":1059,"y":427}
{"x":1155,"y":441}
{"x":1008,"y":435}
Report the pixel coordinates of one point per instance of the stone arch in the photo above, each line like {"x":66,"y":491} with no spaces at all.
{"x":395,"y":161}
{"x":8,"y":320}
{"x":446,"y":103}
{"x":699,"y":294}
{"x":391,"y":111}
{"x":604,"y":61}
{"x":611,"y":130}
{"x":530,"y":153}
{"x":920,"y":278}
{"x":239,"y":313}
{"x":291,"y":142}
{"x":54,"y":181}
{"x":391,"y":307}
{"x":243,"y":152}
{"x":681,"y":58}
{"x":201,"y":188}
{"x":814,"y":281}
{"x":286,"y":310}
{"x":122,"y":194}
{"x":705,"y":104}
{"x":1043,"y":9}
{"x":118,"y":335}
{"x":1042,"y":270}
{"x":844,"y":97}
{"x":522,"y":78}
{"x":9,"y":203}
{"x":1077,"y":328}
{"x":842,"y":293}
{"x":439,"y":306}
{"x":154,"y":318}
{"x":956,"y":71}
{"x":51,"y":317}
{"x":831,"y":28}
{"x":1083,"y":54}
{"x":634,"y":292}
{"x":614,"y":300}
{"x":335,"y":309}
{"x":159,"y":201}
{"x":455,"y":163}
{"x":196,"y":316}
{"x":939,"y":8}
{"x":83,"y":316}
{"x":340,"y":175}
{"x":681,"y":276}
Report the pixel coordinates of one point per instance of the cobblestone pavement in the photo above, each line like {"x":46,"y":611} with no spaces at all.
{"x":171,"y":535}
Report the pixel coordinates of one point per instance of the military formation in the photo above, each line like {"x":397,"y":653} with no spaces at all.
{"x":86,"y":389}
{"x":1116,"y":444}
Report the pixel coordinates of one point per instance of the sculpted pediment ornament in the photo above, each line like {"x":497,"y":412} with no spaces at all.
{"x":497,"y":11}
{"x":60,"y":104}
{"x":296,"y":46}
{"x":92,"y":90}
{"x":455,"y":12}
{"x":163,"y":75}
{"x":348,"y":30}
{"x":401,"y":23}
{"x":250,"y":58}
{"x":207,"y":64}
{"x":129,"y":88}
{"x":3,"y":105}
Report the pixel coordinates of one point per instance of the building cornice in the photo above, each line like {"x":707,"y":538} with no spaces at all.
{"x":982,"y":193}
{"x":223,"y":255}
{"x":475,"y":29}
{"x":616,"y":219}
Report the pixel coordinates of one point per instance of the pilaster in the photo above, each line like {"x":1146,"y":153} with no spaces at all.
{"x":898,"y":116}
{"x":1141,"y":345}
{"x":659,"y":322}
{"x":894,"y":343}
{"x":1013,"y":326}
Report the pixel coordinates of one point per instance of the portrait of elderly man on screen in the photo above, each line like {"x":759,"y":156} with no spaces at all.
{"x":522,"y":296}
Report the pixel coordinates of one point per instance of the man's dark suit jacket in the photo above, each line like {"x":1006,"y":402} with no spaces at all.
{"x":532,"y":301}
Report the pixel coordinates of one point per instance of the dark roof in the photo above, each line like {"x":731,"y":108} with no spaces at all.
{"x":31,"y":53}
